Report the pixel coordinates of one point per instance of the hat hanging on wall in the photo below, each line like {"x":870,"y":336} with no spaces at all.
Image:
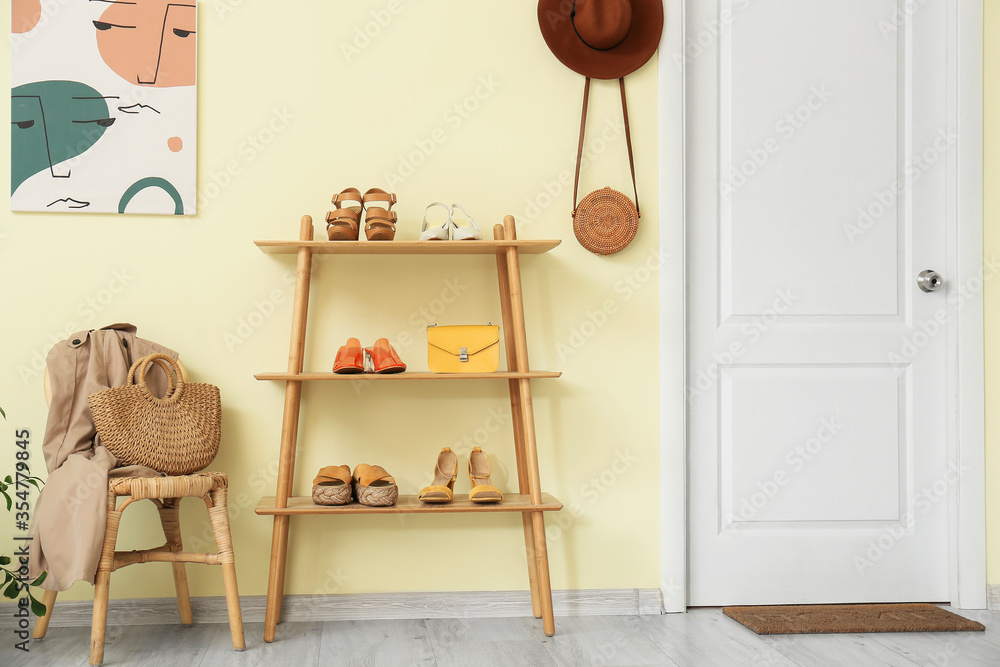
{"x":603,"y":39}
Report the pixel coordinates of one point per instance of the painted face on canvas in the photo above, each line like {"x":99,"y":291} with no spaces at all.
{"x":149,"y":42}
{"x":52,"y":122}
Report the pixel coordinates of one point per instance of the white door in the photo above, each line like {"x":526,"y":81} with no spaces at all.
{"x":818,"y":371}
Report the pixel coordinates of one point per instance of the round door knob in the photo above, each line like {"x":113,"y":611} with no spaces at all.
{"x":929,"y":281}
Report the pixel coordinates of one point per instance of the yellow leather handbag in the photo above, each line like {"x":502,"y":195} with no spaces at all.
{"x":467,"y":348}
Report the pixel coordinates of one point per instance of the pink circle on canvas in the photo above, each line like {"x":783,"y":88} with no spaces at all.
{"x":175,"y":144}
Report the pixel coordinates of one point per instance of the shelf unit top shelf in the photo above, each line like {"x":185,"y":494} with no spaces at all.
{"x":484,"y":247}
{"x":361,"y":377}
{"x":512,"y":502}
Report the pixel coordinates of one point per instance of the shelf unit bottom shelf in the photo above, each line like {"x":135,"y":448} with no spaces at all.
{"x":512,"y":502}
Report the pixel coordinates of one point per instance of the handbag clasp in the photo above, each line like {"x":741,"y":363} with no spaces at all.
{"x":463,"y":354}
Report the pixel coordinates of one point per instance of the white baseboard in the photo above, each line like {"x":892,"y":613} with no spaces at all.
{"x":354,"y":607}
{"x":993,"y":597}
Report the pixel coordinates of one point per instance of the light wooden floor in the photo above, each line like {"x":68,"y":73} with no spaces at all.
{"x":700,"y":638}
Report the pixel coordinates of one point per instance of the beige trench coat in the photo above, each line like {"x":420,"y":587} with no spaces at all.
{"x":68,"y":525}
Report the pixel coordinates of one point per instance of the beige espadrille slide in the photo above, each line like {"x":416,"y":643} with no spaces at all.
{"x":332,"y":486}
{"x":374,"y":486}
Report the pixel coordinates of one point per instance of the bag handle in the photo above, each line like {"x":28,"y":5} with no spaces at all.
{"x":628,"y":143}
{"x":137,"y":374}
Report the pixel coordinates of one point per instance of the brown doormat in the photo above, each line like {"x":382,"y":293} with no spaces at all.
{"x":835,"y":618}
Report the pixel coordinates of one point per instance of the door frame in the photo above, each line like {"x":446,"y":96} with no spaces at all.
{"x":966,"y":427}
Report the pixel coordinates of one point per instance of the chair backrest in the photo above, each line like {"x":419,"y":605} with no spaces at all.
{"x":47,"y":383}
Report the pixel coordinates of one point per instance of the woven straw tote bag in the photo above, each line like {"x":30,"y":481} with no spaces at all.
{"x":606,"y":220}
{"x":178,"y":434}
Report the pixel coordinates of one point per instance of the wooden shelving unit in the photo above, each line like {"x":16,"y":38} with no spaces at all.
{"x":530,"y":502}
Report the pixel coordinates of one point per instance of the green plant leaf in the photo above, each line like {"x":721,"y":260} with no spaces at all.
{"x":12,"y":591}
{"x":8,"y":479}
{"x":7,"y":576}
{"x":4,"y":560}
{"x":36,"y":607}
{"x":40,"y":578}
{"x":35,"y":481}
{"x":7,"y":498}
{"x":3,"y":414}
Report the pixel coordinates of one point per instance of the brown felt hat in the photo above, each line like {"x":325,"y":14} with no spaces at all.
{"x":602,"y":39}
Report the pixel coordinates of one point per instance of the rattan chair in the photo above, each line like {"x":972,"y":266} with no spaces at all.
{"x":165,"y":493}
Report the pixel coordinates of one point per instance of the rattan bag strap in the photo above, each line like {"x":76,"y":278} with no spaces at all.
{"x":628,"y":143}
{"x":137,"y":373}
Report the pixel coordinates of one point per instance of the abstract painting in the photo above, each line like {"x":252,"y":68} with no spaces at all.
{"x":103,"y":106}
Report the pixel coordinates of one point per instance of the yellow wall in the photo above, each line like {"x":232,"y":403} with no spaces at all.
{"x":327,"y":120}
{"x":991,"y":295}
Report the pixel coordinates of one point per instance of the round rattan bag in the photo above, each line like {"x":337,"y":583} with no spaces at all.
{"x":605,"y":221}
{"x":178,"y":434}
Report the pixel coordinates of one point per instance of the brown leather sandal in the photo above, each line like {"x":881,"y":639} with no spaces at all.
{"x":344,"y":223}
{"x":380,"y":219}
{"x":373,"y":486}
{"x":332,"y":486}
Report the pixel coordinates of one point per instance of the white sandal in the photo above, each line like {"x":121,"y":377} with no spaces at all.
{"x":470,"y":231}
{"x":436,"y":233}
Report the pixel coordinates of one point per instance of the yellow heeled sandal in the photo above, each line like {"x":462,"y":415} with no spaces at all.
{"x":480,"y":469}
{"x":442,"y":488}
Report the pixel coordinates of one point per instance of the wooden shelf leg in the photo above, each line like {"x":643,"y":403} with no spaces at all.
{"x":276,"y":576}
{"x":540,"y":550}
{"x":289,"y":434}
{"x":517,"y":421}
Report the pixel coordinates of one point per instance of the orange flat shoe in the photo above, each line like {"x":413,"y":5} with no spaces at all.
{"x":344,"y":223}
{"x":384,"y":359}
{"x":350,"y":358}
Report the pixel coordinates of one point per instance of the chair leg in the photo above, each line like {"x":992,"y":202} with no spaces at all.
{"x":42,"y":624}
{"x":102,"y":585}
{"x":99,"y":624}
{"x":218,"y":514}
{"x":170,"y":518}
{"x":233,"y":606}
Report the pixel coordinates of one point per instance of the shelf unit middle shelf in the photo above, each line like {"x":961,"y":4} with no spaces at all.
{"x":363,"y":377}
